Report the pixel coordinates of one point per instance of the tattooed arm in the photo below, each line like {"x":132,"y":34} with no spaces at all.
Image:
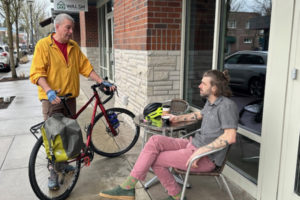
{"x":228,"y":137}
{"x":187,"y":117}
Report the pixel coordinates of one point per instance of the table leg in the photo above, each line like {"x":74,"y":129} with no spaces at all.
{"x":178,"y":178}
{"x":151,"y":182}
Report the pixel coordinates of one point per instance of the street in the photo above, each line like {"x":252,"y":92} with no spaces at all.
{"x":22,"y":69}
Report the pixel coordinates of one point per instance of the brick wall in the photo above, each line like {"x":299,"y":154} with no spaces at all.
{"x":82,"y":29}
{"x":147,"y":37}
{"x":241,"y":32}
{"x":147,"y":24}
{"x":146,"y":76}
{"x":202,"y":21}
{"x":89,"y":28}
{"x":76,"y":32}
{"x":89,"y":36}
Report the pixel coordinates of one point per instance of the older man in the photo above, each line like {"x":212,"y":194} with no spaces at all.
{"x":56,"y":65}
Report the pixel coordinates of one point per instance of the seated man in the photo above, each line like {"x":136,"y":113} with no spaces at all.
{"x":219,"y":124}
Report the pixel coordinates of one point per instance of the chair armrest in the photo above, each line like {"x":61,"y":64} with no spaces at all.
{"x":202,"y":155}
{"x":189,"y":134}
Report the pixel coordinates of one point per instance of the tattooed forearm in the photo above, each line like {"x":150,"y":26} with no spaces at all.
{"x":217,"y":144}
{"x":222,"y":142}
{"x":188,"y":117}
{"x":210,"y":146}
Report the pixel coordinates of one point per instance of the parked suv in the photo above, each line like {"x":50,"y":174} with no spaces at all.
{"x":247,"y":70}
{"x":5,"y":60}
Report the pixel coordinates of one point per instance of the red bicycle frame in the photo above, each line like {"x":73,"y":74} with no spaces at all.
{"x":97,"y":103}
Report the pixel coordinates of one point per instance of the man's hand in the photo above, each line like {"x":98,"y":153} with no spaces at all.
{"x":172,"y":117}
{"x":227,"y":138}
{"x":52,"y":97}
{"x":107,"y":84}
{"x":195,"y":163}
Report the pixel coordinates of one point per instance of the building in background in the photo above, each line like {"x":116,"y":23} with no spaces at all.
{"x":3,"y":36}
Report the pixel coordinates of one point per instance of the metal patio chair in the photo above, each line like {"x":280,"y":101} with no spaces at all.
{"x":217,"y":172}
{"x":177,"y":106}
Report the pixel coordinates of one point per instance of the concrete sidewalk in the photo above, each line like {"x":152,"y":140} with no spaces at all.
{"x":16,"y":143}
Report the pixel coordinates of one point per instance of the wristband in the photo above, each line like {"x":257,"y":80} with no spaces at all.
{"x":51,"y":95}
{"x":107,"y":84}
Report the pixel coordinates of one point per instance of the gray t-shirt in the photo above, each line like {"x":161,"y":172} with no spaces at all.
{"x":222,"y":114}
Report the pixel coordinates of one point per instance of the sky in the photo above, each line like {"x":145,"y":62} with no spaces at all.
{"x":249,"y":5}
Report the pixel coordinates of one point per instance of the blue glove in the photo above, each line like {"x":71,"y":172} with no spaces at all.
{"x":107,"y":84}
{"x":51,"y":95}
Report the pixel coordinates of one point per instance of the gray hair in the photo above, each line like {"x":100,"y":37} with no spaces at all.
{"x":61,"y":17}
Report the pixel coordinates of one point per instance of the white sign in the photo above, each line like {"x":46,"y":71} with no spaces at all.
{"x":71,"y":5}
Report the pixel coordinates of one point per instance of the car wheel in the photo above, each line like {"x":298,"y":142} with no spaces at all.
{"x":17,"y":63}
{"x":257,"y":87}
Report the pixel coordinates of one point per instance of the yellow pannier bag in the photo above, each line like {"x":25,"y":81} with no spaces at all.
{"x":62,"y":138}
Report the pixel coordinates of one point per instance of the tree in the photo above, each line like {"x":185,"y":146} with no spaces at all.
{"x":263,"y":6}
{"x":16,"y":5}
{"x":25,"y":20}
{"x":38,"y":14}
{"x":7,"y":14}
{"x":236,"y":5}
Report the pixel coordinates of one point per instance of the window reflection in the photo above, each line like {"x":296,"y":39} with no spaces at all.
{"x":245,"y":54}
{"x":244,"y":155}
{"x":199,"y":40}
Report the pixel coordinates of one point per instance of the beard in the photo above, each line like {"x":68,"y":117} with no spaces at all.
{"x":205,"y":94}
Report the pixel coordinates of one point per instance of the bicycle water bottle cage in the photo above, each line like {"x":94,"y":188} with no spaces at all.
{"x":113,"y":119}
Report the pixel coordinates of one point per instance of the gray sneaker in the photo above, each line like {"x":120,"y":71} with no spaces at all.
{"x":53,"y":180}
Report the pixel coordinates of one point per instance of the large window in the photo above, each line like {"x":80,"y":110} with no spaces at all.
{"x":243,"y":45}
{"x":245,"y":58}
{"x":200,"y":19}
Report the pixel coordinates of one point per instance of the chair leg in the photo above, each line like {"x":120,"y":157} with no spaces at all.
{"x":226,"y":186}
{"x":217,"y":179}
{"x":184,"y":185}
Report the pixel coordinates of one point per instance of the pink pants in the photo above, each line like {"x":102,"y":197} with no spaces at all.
{"x":160,"y":153}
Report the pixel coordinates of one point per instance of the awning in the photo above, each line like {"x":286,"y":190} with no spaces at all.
{"x":46,"y":22}
{"x":50,"y":20}
{"x":230,"y":39}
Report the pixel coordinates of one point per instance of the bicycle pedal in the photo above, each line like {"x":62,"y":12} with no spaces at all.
{"x":87,"y":161}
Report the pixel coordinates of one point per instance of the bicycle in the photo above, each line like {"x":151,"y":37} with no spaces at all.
{"x":121,"y":133}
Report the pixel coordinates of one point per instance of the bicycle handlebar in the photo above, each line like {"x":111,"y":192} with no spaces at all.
{"x":94,"y":87}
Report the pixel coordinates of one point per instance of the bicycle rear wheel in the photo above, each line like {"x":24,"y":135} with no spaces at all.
{"x":39,"y":172}
{"x":102,"y":140}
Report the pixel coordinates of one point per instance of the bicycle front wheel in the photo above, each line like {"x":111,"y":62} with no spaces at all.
{"x":103,"y":142}
{"x":39,"y":172}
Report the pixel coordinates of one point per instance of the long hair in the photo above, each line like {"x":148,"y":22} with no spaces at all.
{"x":221,"y":81}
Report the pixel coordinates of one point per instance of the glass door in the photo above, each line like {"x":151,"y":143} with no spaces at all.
{"x":243,"y":52}
{"x":109,"y":48}
{"x":106,"y":24}
{"x":290,"y":170}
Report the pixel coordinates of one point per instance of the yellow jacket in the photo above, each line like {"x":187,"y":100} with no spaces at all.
{"x":48,"y":61}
